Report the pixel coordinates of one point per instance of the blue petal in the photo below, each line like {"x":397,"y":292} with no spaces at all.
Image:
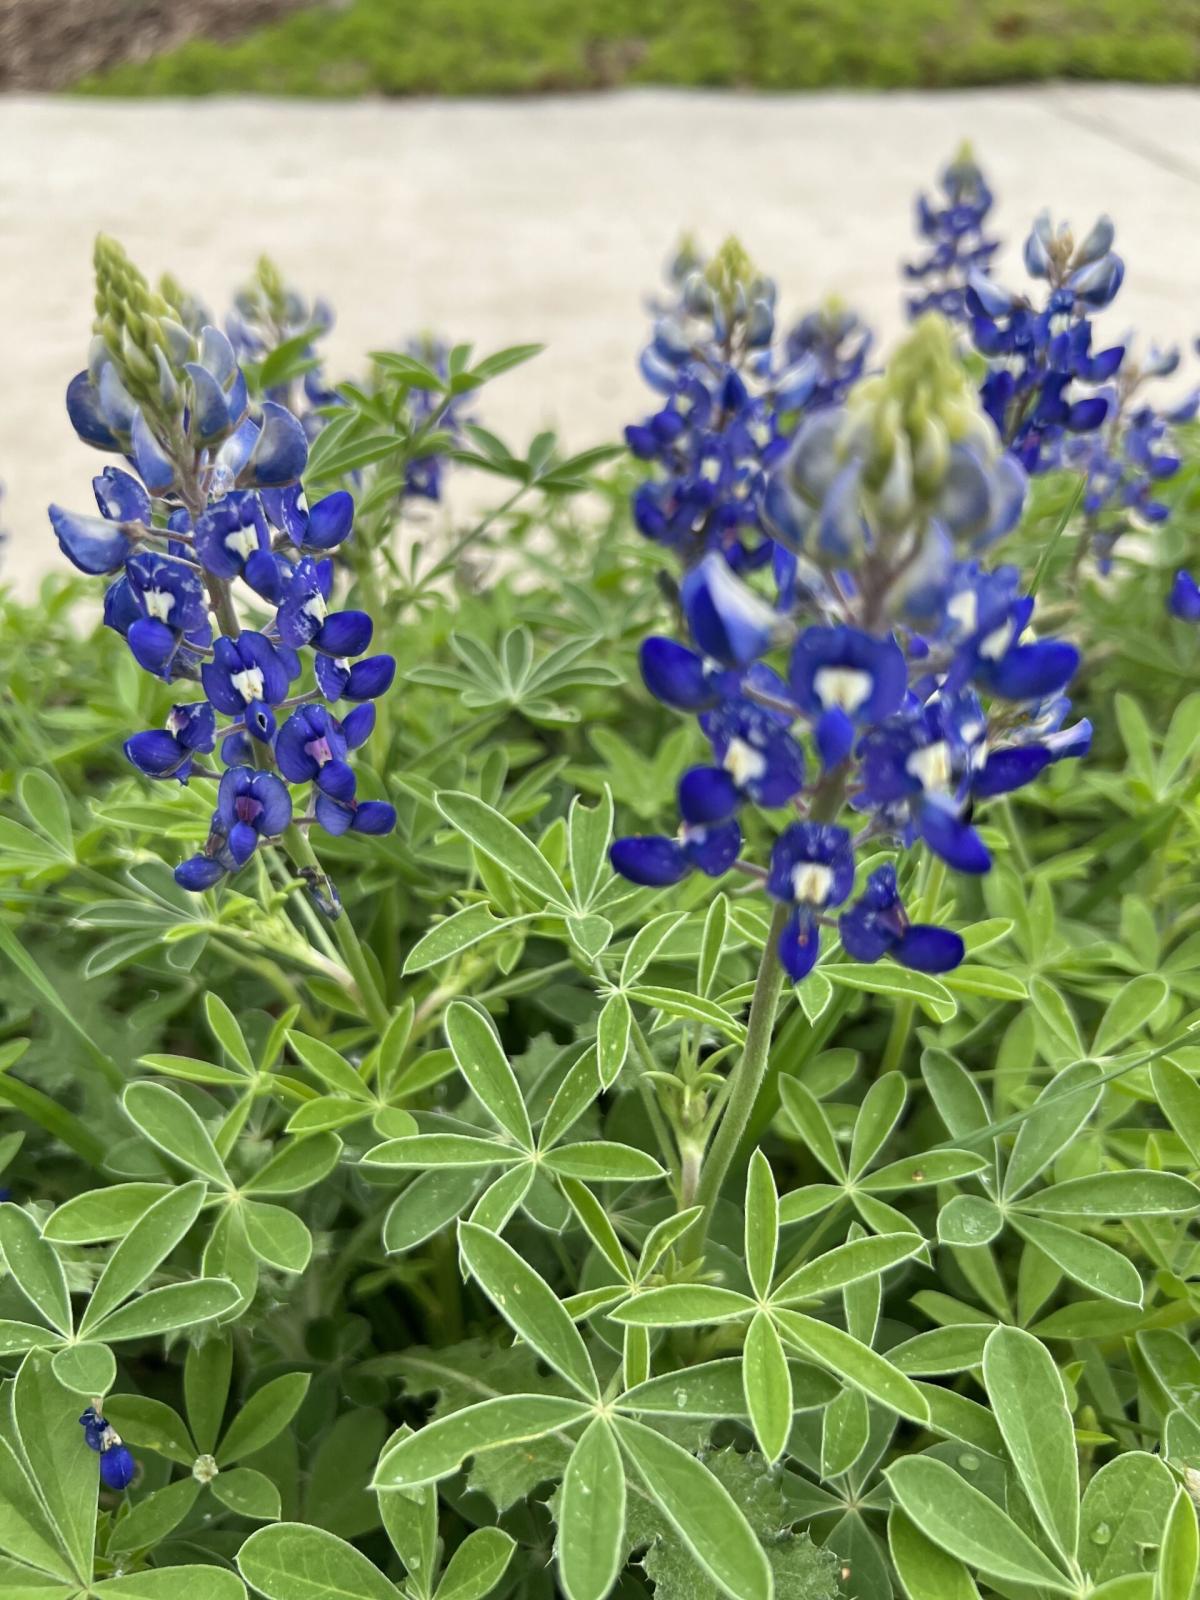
{"x":1086,"y":415}
{"x":86,"y":417}
{"x":121,"y":497}
{"x":713,"y":850}
{"x":653,"y":860}
{"x":834,"y":734}
{"x":1006,"y":770}
{"x":336,"y":779}
{"x":954,"y":840}
{"x":368,"y":679}
{"x":208,"y":419}
{"x":154,"y":465}
{"x":281,"y":450}
{"x":358,"y":726}
{"x":374,"y":816}
{"x":157,"y":753}
{"x":291,"y":756}
{"x":198,"y":873}
{"x":344,"y":633}
{"x":1032,"y":671}
{"x":799,"y":945}
{"x":727,"y":619}
{"x":927,"y":948}
{"x":117,"y":1467}
{"x":236,"y":451}
{"x":964,"y":501}
{"x":263,"y":574}
{"x":217,"y":357}
{"x":1097,"y":284}
{"x":153,"y":645}
{"x":92,"y":544}
{"x":116,"y":403}
{"x":1184,"y":601}
{"x":333,"y":816}
{"x":242,"y":842}
{"x":330,"y":520}
{"x":276,"y":803}
{"x":706,"y":795}
{"x":676,"y":675}
{"x":863,"y":935}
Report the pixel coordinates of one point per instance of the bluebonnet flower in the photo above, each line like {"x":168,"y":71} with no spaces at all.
{"x":170,"y":752}
{"x":216,"y":503}
{"x":1044,"y":379}
{"x":117,"y":1466}
{"x":269,"y":314}
{"x":729,"y":401}
{"x":812,"y":868}
{"x":251,"y":806}
{"x":1128,"y":460}
{"x":954,"y":227}
{"x":877,"y":925}
{"x":910,"y":664}
{"x":838,"y":341}
{"x":427,"y":408}
{"x":312,"y":747}
{"x":656,"y":859}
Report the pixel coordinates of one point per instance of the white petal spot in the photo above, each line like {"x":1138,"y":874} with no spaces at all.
{"x":932,"y":767}
{"x":744,"y":763}
{"x":248,"y":683}
{"x":963,"y":609}
{"x":845,"y":688}
{"x":242,"y":542}
{"x":811,"y":882}
{"x":159,"y":603}
{"x":996,"y":643}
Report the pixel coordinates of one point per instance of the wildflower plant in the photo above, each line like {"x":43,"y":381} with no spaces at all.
{"x":215,"y":513}
{"x":953,"y":227}
{"x":773,"y":1176}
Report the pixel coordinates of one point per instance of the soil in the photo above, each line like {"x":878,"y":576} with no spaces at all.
{"x":49,"y":44}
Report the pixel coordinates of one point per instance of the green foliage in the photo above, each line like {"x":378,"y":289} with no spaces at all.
{"x":384,"y":1244}
{"x":470,"y":47}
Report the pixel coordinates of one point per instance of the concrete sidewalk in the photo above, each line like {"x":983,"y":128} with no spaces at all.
{"x":541,"y":220}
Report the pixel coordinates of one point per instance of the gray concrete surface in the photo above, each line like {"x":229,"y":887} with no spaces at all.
{"x":542,"y":220}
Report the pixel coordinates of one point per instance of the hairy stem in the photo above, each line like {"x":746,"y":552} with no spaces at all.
{"x":745,"y":1081}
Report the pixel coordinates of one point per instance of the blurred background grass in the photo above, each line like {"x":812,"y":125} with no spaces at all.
{"x":398,"y":47}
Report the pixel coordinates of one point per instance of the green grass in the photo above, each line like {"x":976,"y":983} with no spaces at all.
{"x":530,"y":46}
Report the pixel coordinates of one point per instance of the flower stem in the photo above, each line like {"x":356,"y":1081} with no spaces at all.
{"x":745,"y":1081}
{"x":352,"y":952}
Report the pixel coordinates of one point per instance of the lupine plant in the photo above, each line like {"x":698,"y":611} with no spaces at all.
{"x":953,"y":227}
{"x":704,"y":1103}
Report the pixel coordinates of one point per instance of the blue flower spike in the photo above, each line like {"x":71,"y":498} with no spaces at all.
{"x":873,"y":633}
{"x":213,"y":514}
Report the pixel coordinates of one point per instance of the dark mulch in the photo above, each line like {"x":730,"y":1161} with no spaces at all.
{"x":48,"y":44}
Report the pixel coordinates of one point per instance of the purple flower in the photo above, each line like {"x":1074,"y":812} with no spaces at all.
{"x":812,"y":868}
{"x":845,"y":678}
{"x":876,"y":925}
{"x":251,"y":806}
{"x":656,"y":860}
